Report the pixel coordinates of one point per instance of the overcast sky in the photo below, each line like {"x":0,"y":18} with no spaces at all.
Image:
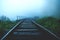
{"x":28,"y":8}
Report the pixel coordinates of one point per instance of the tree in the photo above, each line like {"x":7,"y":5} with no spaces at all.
{"x":4,"y":18}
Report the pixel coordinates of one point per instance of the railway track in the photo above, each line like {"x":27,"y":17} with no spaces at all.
{"x":29,"y":30}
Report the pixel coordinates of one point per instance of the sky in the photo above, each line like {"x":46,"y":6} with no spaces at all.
{"x":27,"y":8}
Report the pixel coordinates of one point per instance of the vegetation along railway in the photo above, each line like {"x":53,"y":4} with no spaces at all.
{"x":28,"y":29}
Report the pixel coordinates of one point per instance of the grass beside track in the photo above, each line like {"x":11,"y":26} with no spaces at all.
{"x":6,"y":26}
{"x":50,"y":23}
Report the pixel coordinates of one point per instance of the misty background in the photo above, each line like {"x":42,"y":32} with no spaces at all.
{"x":29,"y":8}
{"x":43,"y":12}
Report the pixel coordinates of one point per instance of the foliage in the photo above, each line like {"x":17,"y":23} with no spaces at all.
{"x":50,"y":23}
{"x":6,"y":23}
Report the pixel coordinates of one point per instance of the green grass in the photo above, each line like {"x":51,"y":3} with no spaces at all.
{"x":6,"y":26}
{"x":50,"y":23}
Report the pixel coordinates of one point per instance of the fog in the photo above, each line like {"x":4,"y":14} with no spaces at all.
{"x":29,"y":8}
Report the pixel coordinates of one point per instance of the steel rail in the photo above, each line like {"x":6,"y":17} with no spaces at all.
{"x":46,"y":30}
{"x":11,"y":30}
{"x":37,"y":25}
